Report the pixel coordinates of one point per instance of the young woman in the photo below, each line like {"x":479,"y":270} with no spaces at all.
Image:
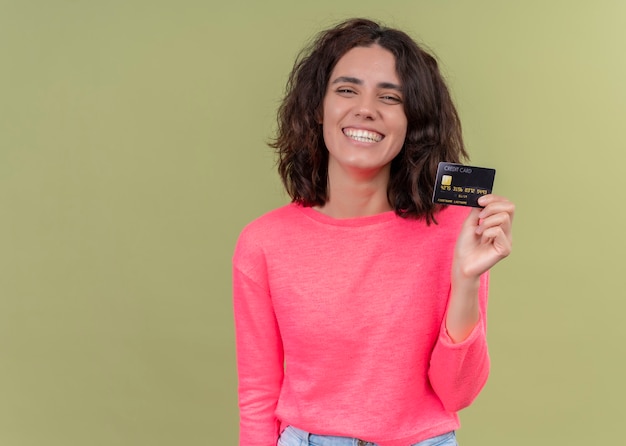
{"x":360,"y":308}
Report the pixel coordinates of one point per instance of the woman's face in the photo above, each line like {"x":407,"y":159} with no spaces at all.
{"x":364,"y":124}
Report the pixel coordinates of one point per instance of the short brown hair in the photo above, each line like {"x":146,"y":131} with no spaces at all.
{"x":433,"y":126}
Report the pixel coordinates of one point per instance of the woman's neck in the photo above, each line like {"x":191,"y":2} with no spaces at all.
{"x":356,"y":195}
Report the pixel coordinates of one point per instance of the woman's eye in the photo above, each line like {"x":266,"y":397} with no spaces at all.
{"x":393,"y":99}
{"x":345,"y":90}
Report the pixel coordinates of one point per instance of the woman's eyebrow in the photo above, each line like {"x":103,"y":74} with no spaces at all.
{"x":348,"y":79}
{"x":357,"y":81}
{"x":389,"y":85}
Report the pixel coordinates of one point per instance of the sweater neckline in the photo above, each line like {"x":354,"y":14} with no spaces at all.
{"x":346,"y":222}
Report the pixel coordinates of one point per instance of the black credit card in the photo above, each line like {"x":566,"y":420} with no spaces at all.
{"x":461,"y":185}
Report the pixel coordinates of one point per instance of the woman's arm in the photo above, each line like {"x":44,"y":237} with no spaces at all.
{"x":484,"y":240}
{"x":259,"y":358}
{"x":459,"y":370}
{"x":460,"y":360}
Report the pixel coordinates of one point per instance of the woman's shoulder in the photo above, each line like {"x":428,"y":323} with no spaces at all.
{"x":448,"y":223}
{"x":453,"y":213}
{"x":270,"y":225}
{"x":274,"y":219}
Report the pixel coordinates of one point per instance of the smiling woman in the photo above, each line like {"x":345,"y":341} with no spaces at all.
{"x":433,"y":130}
{"x":364,"y":127}
{"x":358,"y":319}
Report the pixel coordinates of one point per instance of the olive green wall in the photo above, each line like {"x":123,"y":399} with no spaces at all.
{"x":132,"y":153}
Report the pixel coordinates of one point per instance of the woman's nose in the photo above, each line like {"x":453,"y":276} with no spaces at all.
{"x":366,"y":108}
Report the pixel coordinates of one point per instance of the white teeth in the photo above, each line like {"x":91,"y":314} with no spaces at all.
{"x":363,"y":135}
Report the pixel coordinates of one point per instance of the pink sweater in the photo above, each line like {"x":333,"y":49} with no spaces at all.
{"x":340,"y":328}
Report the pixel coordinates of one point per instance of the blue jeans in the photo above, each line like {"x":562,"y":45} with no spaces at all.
{"x":295,"y":437}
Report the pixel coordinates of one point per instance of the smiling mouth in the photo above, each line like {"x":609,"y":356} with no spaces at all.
{"x":362,"y":135}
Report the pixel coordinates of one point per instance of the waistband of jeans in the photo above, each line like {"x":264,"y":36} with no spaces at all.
{"x":302,"y":435}
{"x":305,"y":436}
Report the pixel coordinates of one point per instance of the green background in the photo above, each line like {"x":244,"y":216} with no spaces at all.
{"x":132,"y":152}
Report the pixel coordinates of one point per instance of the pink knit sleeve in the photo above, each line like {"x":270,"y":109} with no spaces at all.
{"x":259,"y":350}
{"x":458,"y":372}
